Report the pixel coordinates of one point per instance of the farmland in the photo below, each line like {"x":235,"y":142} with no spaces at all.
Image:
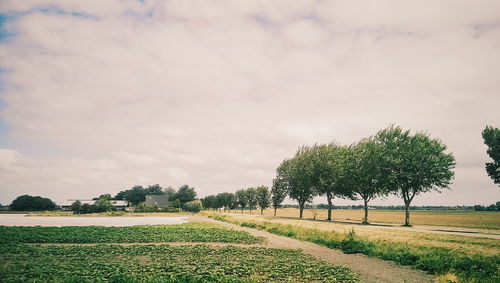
{"x":466,"y":219}
{"x":469,"y":258}
{"x":98,"y":254}
{"x":189,"y":232}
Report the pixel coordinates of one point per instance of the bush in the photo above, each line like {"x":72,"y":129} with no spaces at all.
{"x":194,"y":206}
{"x":352,"y":244}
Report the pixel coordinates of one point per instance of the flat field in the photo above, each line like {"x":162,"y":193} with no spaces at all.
{"x":188,"y":232}
{"x":118,"y":254}
{"x":473,"y":259}
{"x":449,"y":218}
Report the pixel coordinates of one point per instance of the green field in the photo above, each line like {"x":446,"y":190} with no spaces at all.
{"x":117,"y":254}
{"x":471,"y":259}
{"x":158,"y":263}
{"x":188,"y":232}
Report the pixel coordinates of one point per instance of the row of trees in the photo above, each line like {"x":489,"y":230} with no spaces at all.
{"x":491,"y":207}
{"x":102,"y":204}
{"x":250,"y":197}
{"x":137,"y":194}
{"x":394,"y":161}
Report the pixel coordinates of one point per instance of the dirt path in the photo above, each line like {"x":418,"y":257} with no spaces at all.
{"x":369,"y":269}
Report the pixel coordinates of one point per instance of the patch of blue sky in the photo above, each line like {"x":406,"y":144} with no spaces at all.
{"x":51,"y":9}
{"x":140,"y":16}
{"x":7,"y":32}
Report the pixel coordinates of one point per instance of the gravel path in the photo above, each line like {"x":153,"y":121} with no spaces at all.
{"x":369,"y":269}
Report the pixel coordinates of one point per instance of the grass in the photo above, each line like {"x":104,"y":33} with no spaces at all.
{"x":188,"y":232}
{"x":466,"y":219}
{"x":467,"y":263}
{"x":22,"y":263}
{"x":472,"y":245}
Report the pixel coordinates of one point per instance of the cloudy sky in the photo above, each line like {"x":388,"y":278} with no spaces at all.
{"x":98,"y":96}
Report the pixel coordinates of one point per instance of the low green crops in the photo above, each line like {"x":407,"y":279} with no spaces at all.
{"x":23,"y":259}
{"x":435,"y":260}
{"x":163,"y":263}
{"x":189,"y":232}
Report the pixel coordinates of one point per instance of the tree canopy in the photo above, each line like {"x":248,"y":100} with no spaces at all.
{"x":263,"y":198}
{"x":27,"y":202}
{"x":251,"y":198}
{"x":414,"y":164}
{"x":297,"y":174}
{"x":491,"y":138}
{"x":185,"y":194}
{"x":330,"y":178}
{"x":365,"y":168}
{"x":241,"y":198}
{"x":278,"y":193}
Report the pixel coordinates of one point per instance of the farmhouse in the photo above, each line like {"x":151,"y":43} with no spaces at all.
{"x":157,"y":200}
{"x":119,"y":204}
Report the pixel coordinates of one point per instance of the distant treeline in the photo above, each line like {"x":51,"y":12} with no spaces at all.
{"x":492,"y":207}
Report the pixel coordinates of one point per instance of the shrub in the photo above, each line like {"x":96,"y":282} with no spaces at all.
{"x":194,"y":206}
{"x":352,"y":244}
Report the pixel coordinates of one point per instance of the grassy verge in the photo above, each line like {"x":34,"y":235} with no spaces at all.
{"x":468,"y":267}
{"x":163,"y":263}
{"x":188,"y":232}
{"x":445,"y":218}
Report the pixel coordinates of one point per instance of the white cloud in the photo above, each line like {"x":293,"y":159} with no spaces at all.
{"x":102,"y":96}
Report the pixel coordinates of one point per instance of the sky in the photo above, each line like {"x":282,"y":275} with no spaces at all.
{"x":99,"y":96}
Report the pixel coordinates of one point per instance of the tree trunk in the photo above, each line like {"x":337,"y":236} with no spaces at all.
{"x":330,"y":206}
{"x":261,"y":211}
{"x":301,"y":208}
{"x":275,"y":211}
{"x":407,"y":214}
{"x":365,"y":220}
{"x":241,"y":210}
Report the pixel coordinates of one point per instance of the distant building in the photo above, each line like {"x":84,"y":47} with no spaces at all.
{"x":119,"y":204}
{"x":157,"y":200}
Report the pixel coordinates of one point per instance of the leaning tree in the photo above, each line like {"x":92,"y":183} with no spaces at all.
{"x":298,"y":177}
{"x":329,"y":172}
{"x":414,"y":164}
{"x":241,"y":198}
{"x":365,"y":168}
{"x":251,"y":197}
{"x":491,"y":138}
{"x":263,"y":198}
{"x":278,"y":193}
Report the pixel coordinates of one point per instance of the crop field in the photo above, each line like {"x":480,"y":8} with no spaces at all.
{"x":164,"y":263}
{"x":32,"y":254}
{"x":449,"y":218}
{"x":188,"y":232}
{"x":471,"y":259}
